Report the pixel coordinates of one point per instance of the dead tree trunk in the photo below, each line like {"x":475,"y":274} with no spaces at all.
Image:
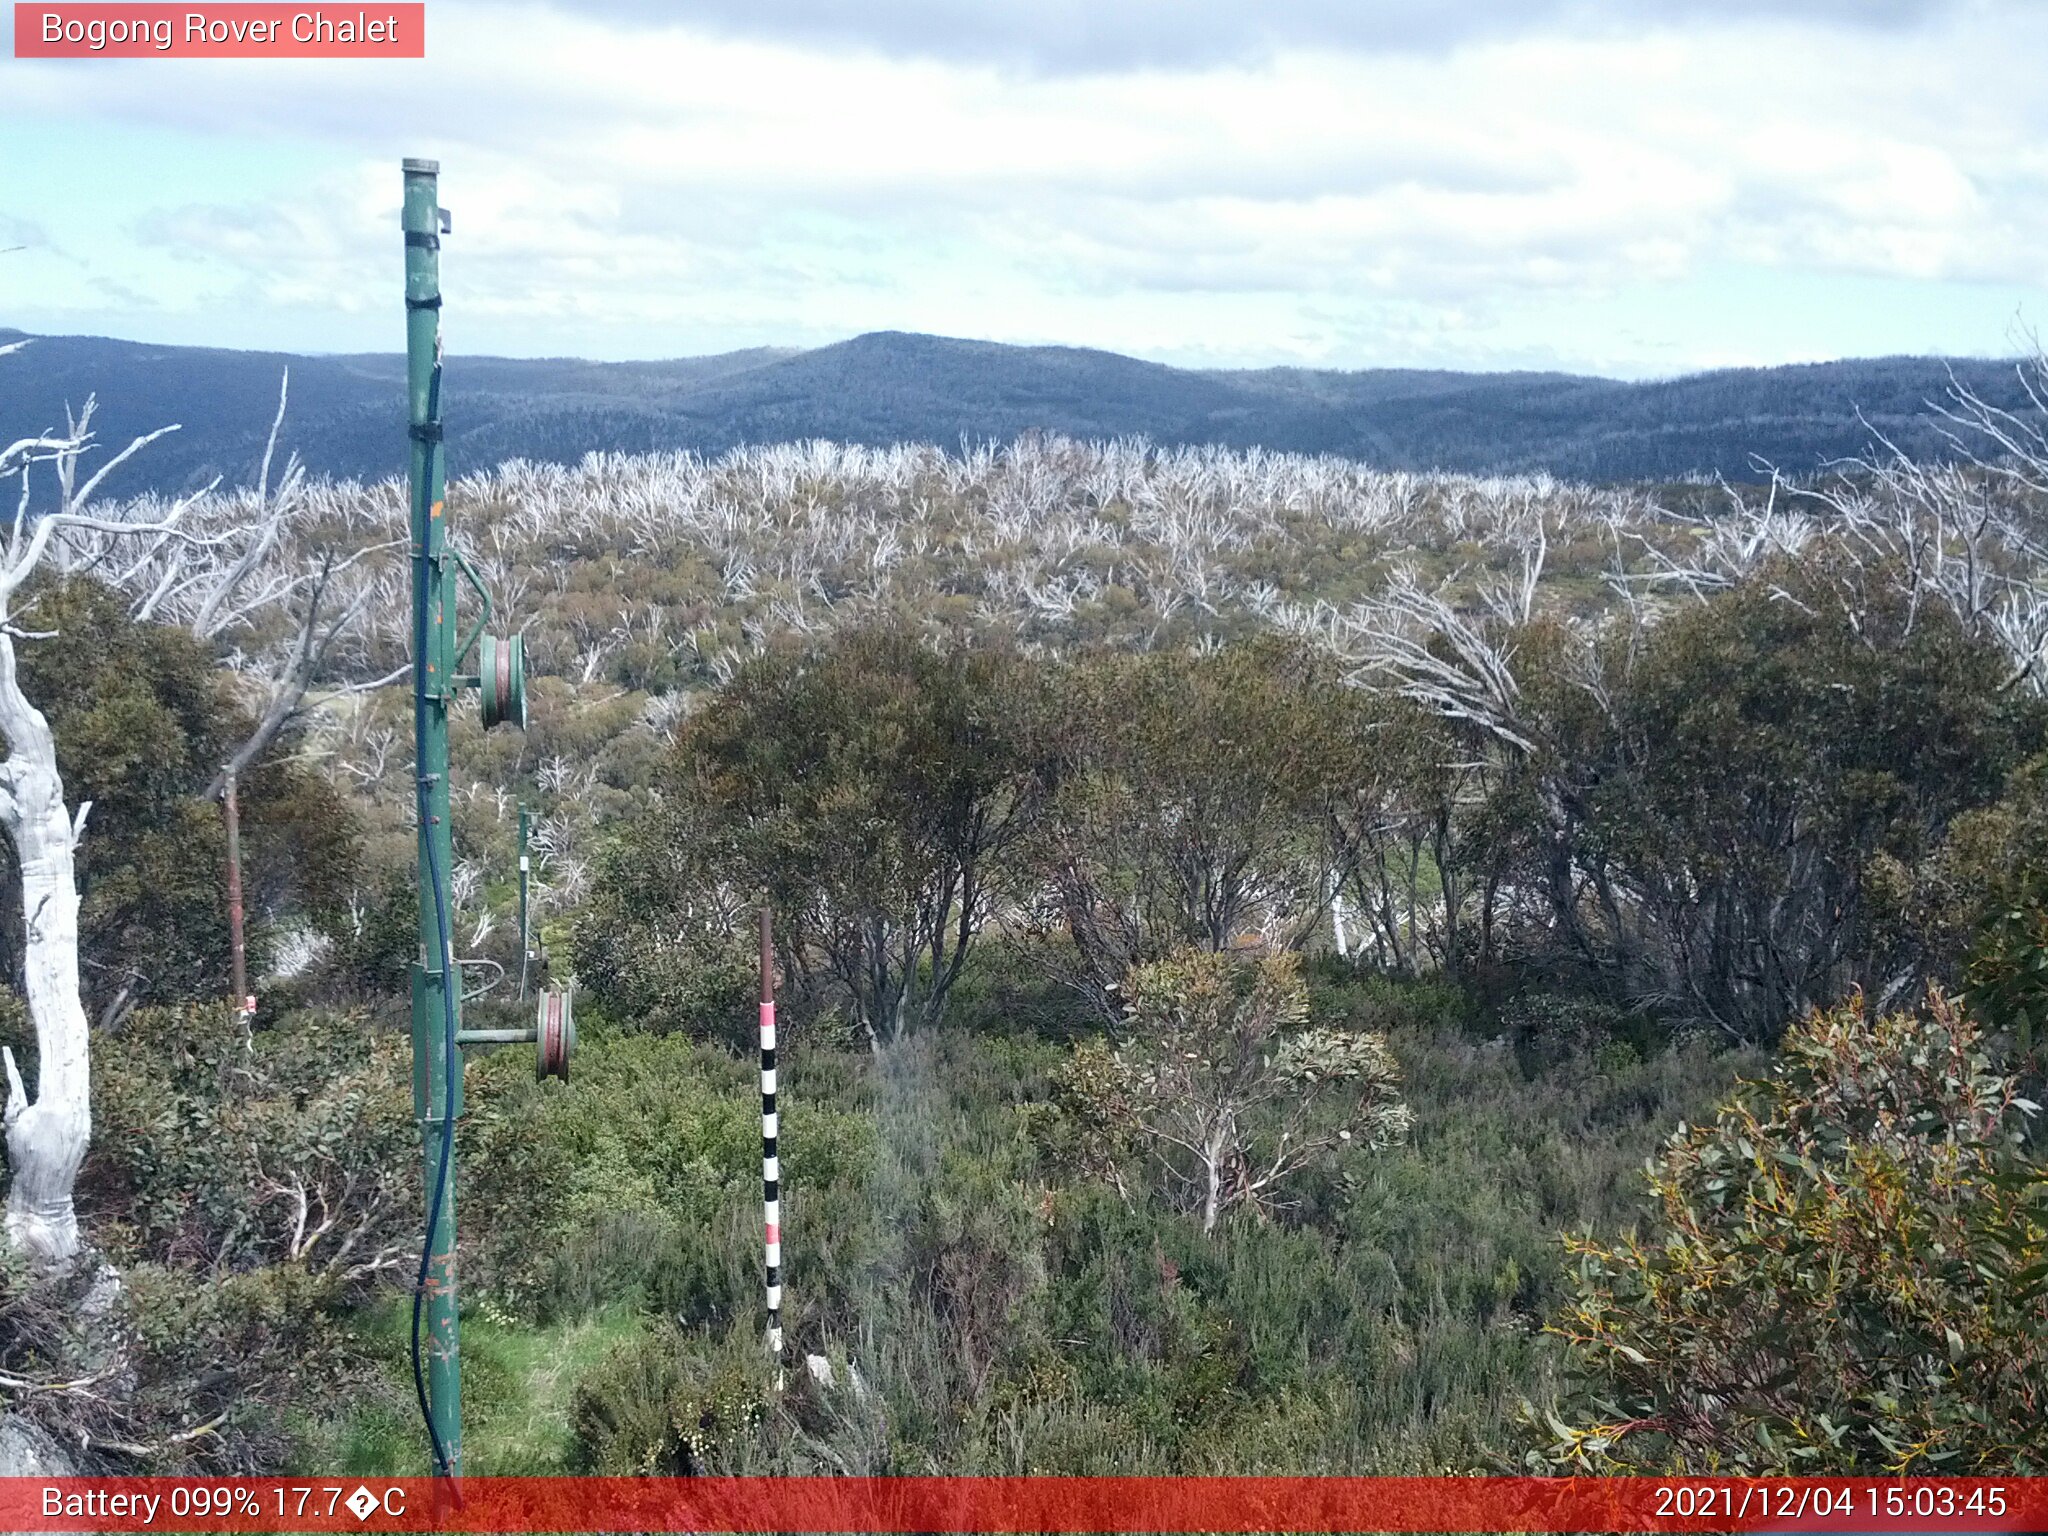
{"x":46,"y":1139}
{"x":47,"y":1136}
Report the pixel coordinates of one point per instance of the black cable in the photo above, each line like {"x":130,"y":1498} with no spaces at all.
{"x":423,"y":784}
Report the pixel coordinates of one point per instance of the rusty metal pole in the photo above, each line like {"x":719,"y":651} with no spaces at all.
{"x":238,"y":952}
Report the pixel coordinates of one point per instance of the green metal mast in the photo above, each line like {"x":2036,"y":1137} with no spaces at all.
{"x":436,"y":984}
{"x":500,"y":677}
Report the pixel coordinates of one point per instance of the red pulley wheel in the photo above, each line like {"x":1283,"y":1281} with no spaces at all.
{"x":555,"y":1040}
{"x":501,"y":678}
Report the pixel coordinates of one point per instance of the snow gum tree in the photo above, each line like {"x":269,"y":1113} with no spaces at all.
{"x":1223,"y":1087}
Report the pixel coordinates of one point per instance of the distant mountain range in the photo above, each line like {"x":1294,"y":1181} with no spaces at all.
{"x":347,"y":412}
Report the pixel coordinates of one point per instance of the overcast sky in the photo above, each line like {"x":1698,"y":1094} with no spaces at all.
{"x":1635,"y":188}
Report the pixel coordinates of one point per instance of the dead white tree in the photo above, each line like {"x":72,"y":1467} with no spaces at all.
{"x":47,"y":1137}
{"x":1962,"y":531}
{"x":285,"y":597}
{"x":258,"y":565}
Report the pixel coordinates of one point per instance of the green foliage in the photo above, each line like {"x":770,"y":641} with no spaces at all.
{"x":1773,"y":746}
{"x":1549,"y":1029}
{"x":519,"y":1383}
{"x":661,"y":941}
{"x":1004,"y":1312}
{"x":1388,"y":1324}
{"x":374,"y":949}
{"x":1017,"y":986}
{"x":624,"y":1416}
{"x":1089,"y":1127}
{"x":254,"y":1189}
{"x":636,"y":1182}
{"x":1224,"y":1088}
{"x":218,"y":1149}
{"x":1847,"y":1272}
{"x":143,"y":722}
{"x":1986,"y":892}
{"x":649,"y":1410}
{"x":1195,"y":801}
{"x":1727,"y":816}
{"x":1422,"y":839}
{"x":237,"y":1356}
{"x":163,"y":1370}
{"x":865,"y":789}
{"x":1742,"y":808}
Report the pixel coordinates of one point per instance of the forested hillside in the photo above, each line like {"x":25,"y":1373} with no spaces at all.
{"x":1245,"y":923}
{"x":889,"y":388}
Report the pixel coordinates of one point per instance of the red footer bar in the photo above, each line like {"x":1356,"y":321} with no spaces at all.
{"x":1019,"y":1504}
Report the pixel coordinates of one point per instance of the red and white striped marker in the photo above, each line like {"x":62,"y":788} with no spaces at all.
{"x":771,"y":1162}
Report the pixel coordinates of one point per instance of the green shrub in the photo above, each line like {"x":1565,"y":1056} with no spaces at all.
{"x":1985,"y":896}
{"x":237,"y":1357}
{"x":219,"y":1149}
{"x":256,"y":1188}
{"x":623,"y":1415}
{"x":1548,"y":1029}
{"x":1846,"y":1272}
{"x":640,"y":1179}
{"x":375,"y":948}
{"x":868,"y":788}
{"x":1011,"y":986}
{"x":143,"y":720}
{"x":1344,"y":997}
{"x":1224,"y":1089}
{"x":1775,"y":753}
{"x":656,"y":949}
{"x":649,"y":1410}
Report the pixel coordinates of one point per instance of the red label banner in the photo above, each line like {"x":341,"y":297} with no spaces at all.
{"x":375,"y":30}
{"x":1019,"y":1504}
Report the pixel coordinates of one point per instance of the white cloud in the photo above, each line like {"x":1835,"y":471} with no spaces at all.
{"x":668,"y":182}
{"x":1117,"y":36}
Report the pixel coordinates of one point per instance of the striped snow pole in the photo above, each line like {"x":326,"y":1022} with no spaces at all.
{"x":771,"y":1163}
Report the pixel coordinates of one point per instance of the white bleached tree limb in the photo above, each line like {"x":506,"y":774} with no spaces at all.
{"x":47,"y":1136}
